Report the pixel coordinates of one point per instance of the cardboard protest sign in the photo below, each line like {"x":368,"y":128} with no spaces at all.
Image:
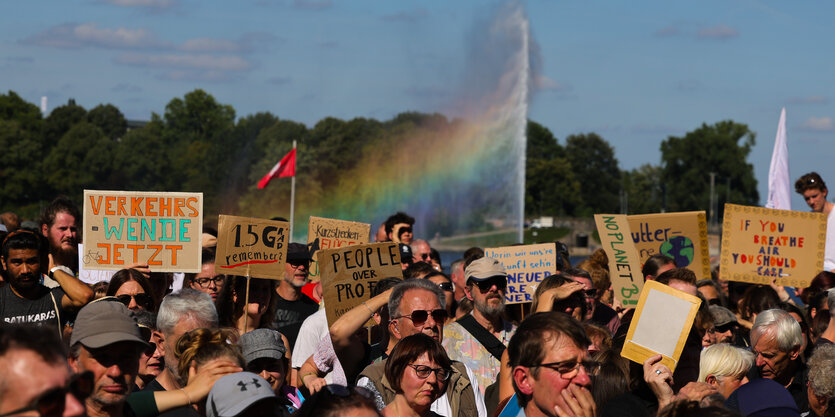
{"x":681,"y":236}
{"x":760,"y":244}
{"x":660,"y":325}
{"x":349,"y":274}
{"x":325,"y":233}
{"x":155,"y":228}
{"x":251,"y":247}
{"x":90,"y":276}
{"x":527,"y":266}
{"x":624,"y":263}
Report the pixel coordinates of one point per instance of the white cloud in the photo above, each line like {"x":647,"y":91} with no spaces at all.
{"x":818,"y":124}
{"x":720,"y":31}
{"x":210,"y":45}
{"x":88,"y":34}
{"x":192,"y":61}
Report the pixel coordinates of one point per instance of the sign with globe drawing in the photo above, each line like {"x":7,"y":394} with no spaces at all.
{"x":681,"y":236}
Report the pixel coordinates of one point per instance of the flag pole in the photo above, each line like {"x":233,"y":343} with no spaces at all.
{"x":292,"y":198}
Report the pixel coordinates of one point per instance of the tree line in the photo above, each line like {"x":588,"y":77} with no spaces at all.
{"x":198,"y":144}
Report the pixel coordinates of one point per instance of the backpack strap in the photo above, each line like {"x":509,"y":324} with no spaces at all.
{"x":487,"y":339}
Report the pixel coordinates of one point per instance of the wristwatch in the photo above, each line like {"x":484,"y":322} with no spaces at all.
{"x":63,"y":268}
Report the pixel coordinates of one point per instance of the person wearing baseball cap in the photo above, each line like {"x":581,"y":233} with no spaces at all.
{"x":479,"y":338}
{"x":292,"y":306}
{"x":107,"y":342}
{"x":264,"y":353}
{"x":241,"y":394}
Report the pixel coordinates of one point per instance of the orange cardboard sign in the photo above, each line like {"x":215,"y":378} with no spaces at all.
{"x":251,"y":247}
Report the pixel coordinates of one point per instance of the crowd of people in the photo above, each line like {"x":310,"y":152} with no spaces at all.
{"x":427,"y":343}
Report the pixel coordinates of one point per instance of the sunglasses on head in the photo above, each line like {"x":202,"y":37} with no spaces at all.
{"x":142,"y":299}
{"x":485,"y":285}
{"x":419,"y":317}
{"x":52,"y":402}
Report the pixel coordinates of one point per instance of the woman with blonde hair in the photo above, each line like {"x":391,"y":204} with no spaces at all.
{"x":725,"y":367}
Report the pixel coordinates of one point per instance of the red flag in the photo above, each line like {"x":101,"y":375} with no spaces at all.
{"x":286,"y":167}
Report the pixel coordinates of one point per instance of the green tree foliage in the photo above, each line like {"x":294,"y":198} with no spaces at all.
{"x":644,"y":189}
{"x":551,"y":187}
{"x":687,"y":162}
{"x":596,"y":168}
{"x":60,"y":120}
{"x":81,"y":159}
{"x":109,"y":119}
{"x":21,"y":185}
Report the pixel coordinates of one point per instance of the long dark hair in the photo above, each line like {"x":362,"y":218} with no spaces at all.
{"x":129,"y":274}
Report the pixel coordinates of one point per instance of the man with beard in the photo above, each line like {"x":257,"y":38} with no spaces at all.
{"x":292,"y":305}
{"x":479,"y":338}
{"x":25,"y":300}
{"x":59,"y":225}
{"x":107,"y":343}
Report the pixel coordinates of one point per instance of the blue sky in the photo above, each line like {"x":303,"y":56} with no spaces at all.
{"x":634,"y":72}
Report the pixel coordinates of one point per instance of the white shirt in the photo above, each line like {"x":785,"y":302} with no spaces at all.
{"x":829,"y":254}
{"x":314,"y":328}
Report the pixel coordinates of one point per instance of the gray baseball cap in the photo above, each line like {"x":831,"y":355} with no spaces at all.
{"x":262,"y":343}
{"x":105,"y":322}
{"x":722,"y":316}
{"x":234,"y":393}
{"x":484,"y":268}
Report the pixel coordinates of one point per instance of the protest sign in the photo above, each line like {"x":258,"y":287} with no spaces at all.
{"x":349,"y":274}
{"x":624,"y":263}
{"x":660,"y":325}
{"x":680,"y":236}
{"x":325,"y":233}
{"x":90,"y":276}
{"x":155,"y":228}
{"x":526,"y":266}
{"x":251,"y":247}
{"x":760,"y":244}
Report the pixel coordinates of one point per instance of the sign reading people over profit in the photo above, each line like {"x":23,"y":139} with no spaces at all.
{"x":325,"y":233}
{"x":680,"y":236}
{"x":624,"y":263}
{"x":251,"y":247}
{"x":159,"y":229}
{"x":349,"y":274}
{"x":526,"y":266}
{"x":760,"y":244}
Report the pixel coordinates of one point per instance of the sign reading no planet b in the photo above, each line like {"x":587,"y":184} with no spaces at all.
{"x":325,"y":233}
{"x":680,"y":236}
{"x":526,"y":266}
{"x":251,"y":247}
{"x":155,"y":228}
{"x":760,"y":244}
{"x":624,"y":263}
{"x":349,"y":274}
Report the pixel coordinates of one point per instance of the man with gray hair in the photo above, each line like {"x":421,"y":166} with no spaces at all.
{"x":416,"y":306}
{"x":776,"y":340}
{"x":179,"y":313}
{"x":821,"y":389}
{"x":421,"y":250}
{"x":828,"y":335}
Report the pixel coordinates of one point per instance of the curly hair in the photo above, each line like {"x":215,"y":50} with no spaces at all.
{"x":202,"y":345}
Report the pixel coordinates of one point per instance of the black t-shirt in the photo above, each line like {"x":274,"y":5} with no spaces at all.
{"x":185,"y":411}
{"x":45,"y":310}
{"x":289,"y":316}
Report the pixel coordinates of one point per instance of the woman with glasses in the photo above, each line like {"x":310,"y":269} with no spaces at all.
{"x":418,"y":370}
{"x":133,"y":290}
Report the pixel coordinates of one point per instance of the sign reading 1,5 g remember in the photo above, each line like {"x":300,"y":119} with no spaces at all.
{"x":251,"y":247}
{"x":159,"y":229}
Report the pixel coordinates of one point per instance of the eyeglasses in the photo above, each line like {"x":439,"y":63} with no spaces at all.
{"x":297,"y":263}
{"x":425,"y":256}
{"x":142,"y":299}
{"x":404,"y":230}
{"x":265,"y":364}
{"x":204,"y":282}
{"x":485,"y":285}
{"x":423,"y":372}
{"x":566,"y":368}
{"x":446,"y":286}
{"x":419,"y":317}
{"x":590,"y":293}
{"x":52,"y":402}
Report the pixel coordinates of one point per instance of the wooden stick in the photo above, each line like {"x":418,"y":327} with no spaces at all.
{"x":246,"y":305}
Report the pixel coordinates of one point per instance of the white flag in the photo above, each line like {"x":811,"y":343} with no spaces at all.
{"x":779,"y":188}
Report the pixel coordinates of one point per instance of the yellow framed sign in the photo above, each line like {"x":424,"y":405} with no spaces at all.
{"x":681,"y":236}
{"x":660,"y":325}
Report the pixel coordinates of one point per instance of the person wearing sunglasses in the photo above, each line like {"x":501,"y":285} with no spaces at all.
{"x":550,"y":367}
{"x":421,"y":251}
{"x":417,"y":370}
{"x":814,"y":192}
{"x":415,"y":307}
{"x":36,"y":378}
{"x":292,"y":306}
{"x":479,"y":338}
{"x":132,"y":289}
{"x":445,"y":284}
